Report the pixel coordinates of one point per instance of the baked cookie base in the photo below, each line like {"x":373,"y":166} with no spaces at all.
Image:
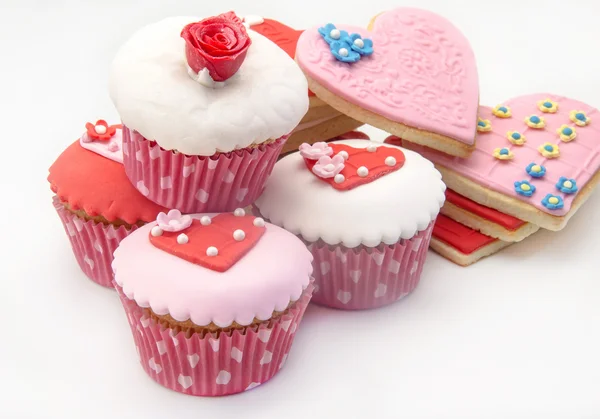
{"x":462,"y":259}
{"x":513,"y":206}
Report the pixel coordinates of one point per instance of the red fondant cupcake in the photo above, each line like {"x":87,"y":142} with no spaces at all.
{"x":94,"y":199}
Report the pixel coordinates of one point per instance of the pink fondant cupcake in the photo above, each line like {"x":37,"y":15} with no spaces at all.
{"x":213,"y":300}
{"x":206,"y":106}
{"x":95,"y":201}
{"x":366,"y":211}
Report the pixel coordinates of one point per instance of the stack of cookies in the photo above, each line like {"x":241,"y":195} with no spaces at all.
{"x":525,"y":164}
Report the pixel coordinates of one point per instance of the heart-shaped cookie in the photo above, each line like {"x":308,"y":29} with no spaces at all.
{"x":420,"y":83}
{"x":216,"y":243}
{"x":537,"y":158}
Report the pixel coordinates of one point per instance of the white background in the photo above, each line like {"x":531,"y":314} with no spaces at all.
{"x":514,"y":336}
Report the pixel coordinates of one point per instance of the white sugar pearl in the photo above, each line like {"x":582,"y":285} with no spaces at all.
{"x":156,"y":231}
{"x":343,"y":52}
{"x":258,"y":222}
{"x":359,"y":43}
{"x":239,"y":235}
{"x":372,"y":148}
{"x":239,"y":212}
{"x":362,"y":171}
{"x":182,"y":239}
{"x":344,"y":155}
{"x":205,"y":220}
{"x":212,"y":251}
{"x":100,"y":129}
{"x":339,"y":178}
{"x":390,"y":161}
{"x":335,"y":34}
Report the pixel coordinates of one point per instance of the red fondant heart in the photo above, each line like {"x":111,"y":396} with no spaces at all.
{"x":374,"y":161}
{"x":218,"y":234}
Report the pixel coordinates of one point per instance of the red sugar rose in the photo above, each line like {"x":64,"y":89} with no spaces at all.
{"x":218,"y":44}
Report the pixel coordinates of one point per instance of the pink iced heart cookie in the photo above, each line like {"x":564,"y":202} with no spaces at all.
{"x":537,"y":158}
{"x":412,"y":73}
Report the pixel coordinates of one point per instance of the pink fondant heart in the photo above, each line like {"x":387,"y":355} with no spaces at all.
{"x":422,"y":72}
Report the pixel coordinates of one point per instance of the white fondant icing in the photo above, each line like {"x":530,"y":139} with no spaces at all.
{"x":153,"y":93}
{"x":272,"y":274}
{"x":393,"y":207}
{"x":204,"y":78}
{"x":252,"y":20}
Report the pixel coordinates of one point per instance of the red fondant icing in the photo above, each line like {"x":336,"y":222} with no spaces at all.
{"x":218,"y":234}
{"x":393,"y":140}
{"x":218,"y":44}
{"x":495,"y":216}
{"x":460,"y":237}
{"x":374,"y":161}
{"x":110,"y":130}
{"x":284,"y":36}
{"x":99,"y":186}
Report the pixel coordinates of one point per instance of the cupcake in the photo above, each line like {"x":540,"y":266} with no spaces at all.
{"x":207,"y":107}
{"x":213,"y":300}
{"x":366,"y":212}
{"x":94,"y":199}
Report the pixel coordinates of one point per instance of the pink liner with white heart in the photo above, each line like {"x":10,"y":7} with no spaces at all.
{"x":196,"y":183}
{"x":93,"y":244}
{"x":212,"y":365}
{"x":364,"y":278}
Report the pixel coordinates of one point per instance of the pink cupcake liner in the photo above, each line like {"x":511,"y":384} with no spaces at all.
{"x":209,"y":365}
{"x":198,"y":184}
{"x":363,"y":278}
{"x":93,"y":244}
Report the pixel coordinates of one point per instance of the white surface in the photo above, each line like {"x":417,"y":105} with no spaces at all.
{"x":514,"y":336}
{"x":154,"y":94}
{"x":297,"y":200}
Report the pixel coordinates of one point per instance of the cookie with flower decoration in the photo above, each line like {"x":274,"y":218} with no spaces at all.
{"x":321,"y":122}
{"x":210,"y":312}
{"x":366,"y":212}
{"x":395,"y":75}
{"x":95,"y":200}
{"x":234,"y":97}
{"x":537,"y":159}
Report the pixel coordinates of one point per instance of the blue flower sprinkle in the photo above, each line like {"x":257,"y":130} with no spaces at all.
{"x":331,"y":34}
{"x":553,"y":202}
{"x":342,"y":51}
{"x":566,"y":185}
{"x":524,"y":188}
{"x":535,"y":170}
{"x":360,"y":45}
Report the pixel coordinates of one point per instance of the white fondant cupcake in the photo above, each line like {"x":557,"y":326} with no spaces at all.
{"x":213,"y":300}
{"x":206,"y":107}
{"x":366,"y":211}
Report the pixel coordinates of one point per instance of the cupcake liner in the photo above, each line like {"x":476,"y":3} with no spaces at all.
{"x":363,"y":278}
{"x":211,"y":364}
{"x":93,"y":243}
{"x":198,"y":184}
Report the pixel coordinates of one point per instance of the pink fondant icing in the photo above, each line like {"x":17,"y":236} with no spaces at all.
{"x":579,"y":159}
{"x":111,"y":149}
{"x":422,"y":72}
{"x":266,"y":279}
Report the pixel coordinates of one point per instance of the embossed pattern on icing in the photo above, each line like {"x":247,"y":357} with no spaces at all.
{"x":579,"y":159}
{"x":422,"y":73}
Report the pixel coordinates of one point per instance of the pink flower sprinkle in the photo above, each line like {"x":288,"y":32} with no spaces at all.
{"x":328,"y":167}
{"x":315,"y":151}
{"x":173,"y":221}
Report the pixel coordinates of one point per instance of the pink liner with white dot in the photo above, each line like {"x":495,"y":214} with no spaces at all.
{"x":209,"y":365}
{"x":195,"y":184}
{"x":93,"y":244}
{"x":365,"y":278}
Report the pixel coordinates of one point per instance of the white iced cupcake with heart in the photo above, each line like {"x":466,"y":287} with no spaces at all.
{"x":213,"y":300}
{"x":411,"y":73}
{"x":366,"y":212}
{"x":206,"y":107}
